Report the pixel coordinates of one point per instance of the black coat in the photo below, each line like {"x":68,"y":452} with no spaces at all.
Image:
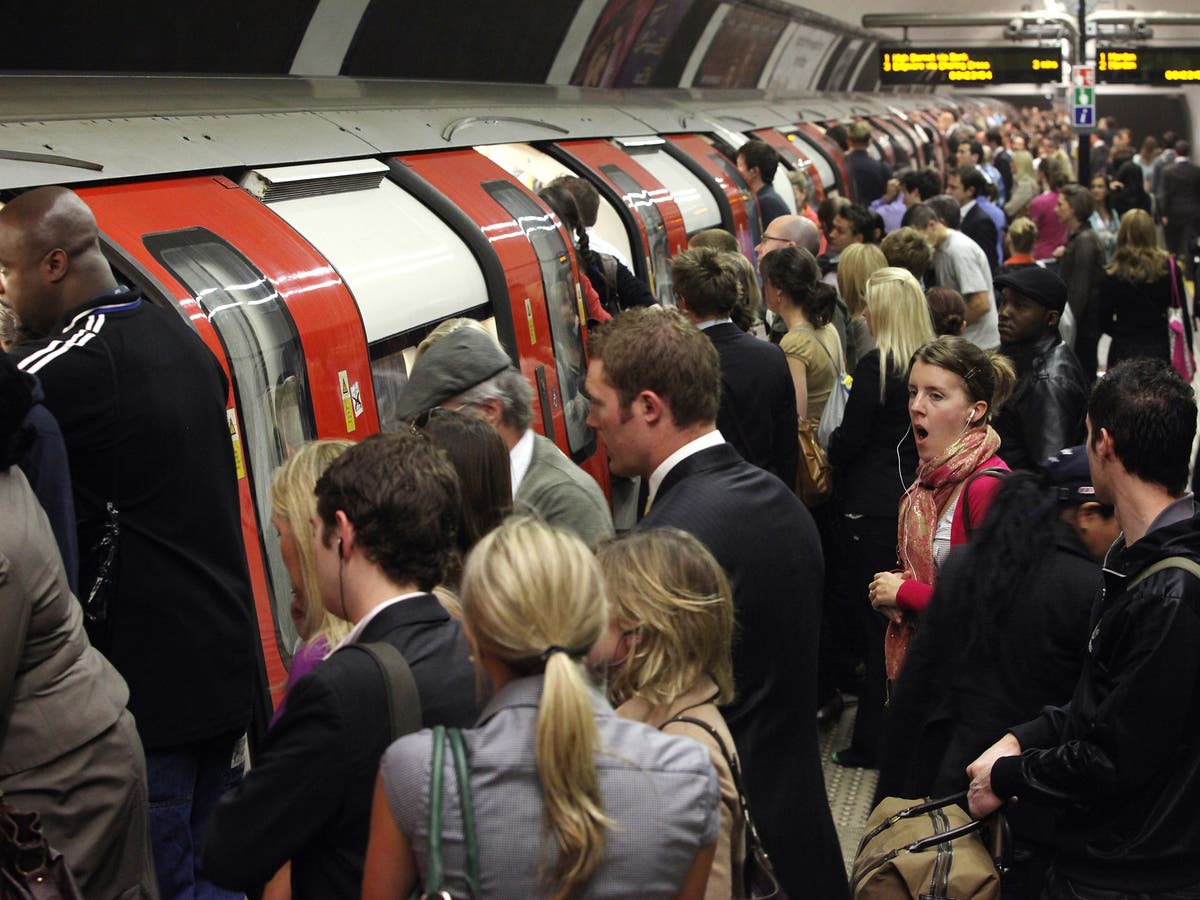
{"x":767,"y":543}
{"x":1122,"y":757}
{"x":954,"y":700}
{"x":979,"y":227}
{"x":870,"y":176}
{"x":307,"y":797}
{"x":873,"y":453}
{"x":1048,"y":406}
{"x":758,"y":401}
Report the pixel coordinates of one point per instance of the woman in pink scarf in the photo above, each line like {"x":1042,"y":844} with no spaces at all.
{"x":953,"y":388}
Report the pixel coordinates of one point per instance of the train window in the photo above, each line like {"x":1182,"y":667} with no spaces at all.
{"x":269,"y":376}
{"x":403,"y":264}
{"x":536,"y":169}
{"x":820,"y":163}
{"x":695,"y":201}
{"x":643,"y":204}
{"x":735,"y":177}
{"x":783,"y":187}
{"x":564,"y":309}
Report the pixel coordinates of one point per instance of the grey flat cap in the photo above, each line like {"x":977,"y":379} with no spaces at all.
{"x":456,"y":362}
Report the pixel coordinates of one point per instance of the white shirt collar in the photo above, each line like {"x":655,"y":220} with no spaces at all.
{"x":362,"y":623}
{"x":709,"y":323}
{"x":712,"y":439}
{"x":520,"y":458}
{"x":967,"y":207}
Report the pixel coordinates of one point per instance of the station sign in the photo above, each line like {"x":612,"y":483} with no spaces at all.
{"x":1083,"y":107}
{"x":1169,"y":66}
{"x":966,"y":65}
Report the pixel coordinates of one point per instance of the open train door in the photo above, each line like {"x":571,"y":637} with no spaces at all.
{"x":543,"y":289}
{"x":796,"y":157}
{"x":279,"y":319}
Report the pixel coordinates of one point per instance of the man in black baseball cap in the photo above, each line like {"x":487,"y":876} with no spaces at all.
{"x":1047,"y":408}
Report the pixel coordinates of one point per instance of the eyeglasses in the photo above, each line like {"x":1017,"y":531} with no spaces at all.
{"x":771,"y":237}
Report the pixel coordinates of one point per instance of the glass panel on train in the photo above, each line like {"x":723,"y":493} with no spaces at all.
{"x":403,"y":264}
{"x":564,"y":309}
{"x":735,"y":178}
{"x":270,"y":380}
{"x":536,"y":169}
{"x":820,"y":162}
{"x":656,"y":231}
{"x":695,"y":201}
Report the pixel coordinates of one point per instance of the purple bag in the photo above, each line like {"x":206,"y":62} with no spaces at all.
{"x":1182,"y":358}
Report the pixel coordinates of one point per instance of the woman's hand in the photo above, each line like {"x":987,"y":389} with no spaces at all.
{"x":883,"y":591}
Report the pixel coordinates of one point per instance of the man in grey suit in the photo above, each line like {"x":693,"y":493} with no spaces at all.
{"x":654,"y":381}
{"x":468,"y":370}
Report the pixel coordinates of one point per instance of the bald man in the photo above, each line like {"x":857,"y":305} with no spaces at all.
{"x":141,"y":403}
{"x":797,"y":231}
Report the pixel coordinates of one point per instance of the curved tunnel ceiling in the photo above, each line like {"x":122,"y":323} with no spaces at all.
{"x":780,"y":46}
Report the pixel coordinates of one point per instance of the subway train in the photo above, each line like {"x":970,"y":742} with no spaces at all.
{"x":313,"y":231}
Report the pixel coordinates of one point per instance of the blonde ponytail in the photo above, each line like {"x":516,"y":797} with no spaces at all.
{"x":532,"y":597}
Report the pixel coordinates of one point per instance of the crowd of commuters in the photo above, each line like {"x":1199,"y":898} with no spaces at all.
{"x":502,"y":690}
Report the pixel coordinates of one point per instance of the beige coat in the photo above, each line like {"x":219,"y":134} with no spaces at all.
{"x":726,"y":877}
{"x":69,"y":750}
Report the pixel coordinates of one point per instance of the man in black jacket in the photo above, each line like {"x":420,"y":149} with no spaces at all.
{"x":141,"y":402}
{"x":654,"y":381}
{"x":388,"y":508}
{"x":1123,"y":756}
{"x":758,"y":400}
{"x":1049,"y":402}
{"x":870,"y":175}
{"x":756,"y":162}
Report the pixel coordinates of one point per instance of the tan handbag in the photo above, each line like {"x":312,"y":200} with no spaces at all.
{"x":929,"y":850}
{"x":814,"y":474}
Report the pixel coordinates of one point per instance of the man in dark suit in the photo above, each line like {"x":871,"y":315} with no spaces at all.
{"x":387,"y":509}
{"x":1179,"y":203}
{"x":964,"y":185}
{"x":654,"y":382}
{"x":758,"y":402}
{"x":870,"y":175}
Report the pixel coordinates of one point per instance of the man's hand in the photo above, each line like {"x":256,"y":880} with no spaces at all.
{"x":981,"y":800}
{"x":892,"y":191}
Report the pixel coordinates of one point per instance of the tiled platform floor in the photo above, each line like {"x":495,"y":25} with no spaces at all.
{"x":850,"y":791}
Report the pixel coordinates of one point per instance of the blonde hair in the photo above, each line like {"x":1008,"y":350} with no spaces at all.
{"x":1022,"y":164}
{"x":1137,"y":257}
{"x":527,"y":588}
{"x":717,"y":239}
{"x":749,"y":296}
{"x":1022,"y":234}
{"x":449,"y":326}
{"x":855,"y":266}
{"x":667,"y":586}
{"x":293,"y":500}
{"x":900,"y":319}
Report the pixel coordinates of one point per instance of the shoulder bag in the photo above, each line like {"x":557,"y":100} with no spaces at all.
{"x":1183,"y":359}
{"x":400,"y":688}
{"x":432,"y":889}
{"x":927,"y":851}
{"x":758,"y":875}
{"x":30,"y":869}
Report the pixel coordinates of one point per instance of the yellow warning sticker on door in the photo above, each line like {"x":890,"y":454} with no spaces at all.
{"x":529,"y":317}
{"x":579,"y":302}
{"x":347,"y":401}
{"x":239,"y":461}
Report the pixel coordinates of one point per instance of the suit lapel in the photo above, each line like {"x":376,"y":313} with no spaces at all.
{"x":707,"y":460}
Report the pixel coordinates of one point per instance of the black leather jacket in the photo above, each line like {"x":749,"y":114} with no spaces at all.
{"x":1124,"y":754}
{"x":1049,"y":404}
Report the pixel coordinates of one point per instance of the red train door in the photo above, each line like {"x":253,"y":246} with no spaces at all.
{"x":544,"y":291}
{"x":653,"y":211}
{"x":793,"y":154}
{"x":739,"y":209}
{"x":281,"y":322}
{"x":833,"y":153}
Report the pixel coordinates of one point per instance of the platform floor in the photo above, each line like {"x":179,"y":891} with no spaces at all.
{"x":850,"y":791}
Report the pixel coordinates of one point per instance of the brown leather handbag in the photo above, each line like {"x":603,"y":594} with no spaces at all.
{"x":814,"y":474}
{"x":30,"y":869}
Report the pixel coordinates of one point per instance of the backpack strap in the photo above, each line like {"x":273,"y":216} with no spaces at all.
{"x":1171,"y":562}
{"x":992,"y":471}
{"x":403,"y":700}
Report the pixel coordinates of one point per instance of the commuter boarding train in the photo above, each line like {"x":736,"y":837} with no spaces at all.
{"x":313,"y":231}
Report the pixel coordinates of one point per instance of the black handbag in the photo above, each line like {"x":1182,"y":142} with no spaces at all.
{"x":758,"y":875}
{"x":30,"y":869}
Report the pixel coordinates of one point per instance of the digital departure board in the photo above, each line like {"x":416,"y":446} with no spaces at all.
{"x":964,"y":65}
{"x":1148,"y":65}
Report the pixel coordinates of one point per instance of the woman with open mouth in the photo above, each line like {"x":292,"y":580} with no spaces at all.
{"x":953,"y":389}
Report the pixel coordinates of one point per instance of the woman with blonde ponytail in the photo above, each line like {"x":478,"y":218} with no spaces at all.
{"x":569,"y":800}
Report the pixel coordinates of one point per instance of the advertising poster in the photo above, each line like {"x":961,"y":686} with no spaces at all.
{"x":800,"y":63}
{"x":652,"y":40}
{"x":610,"y":42}
{"x":740,"y":50}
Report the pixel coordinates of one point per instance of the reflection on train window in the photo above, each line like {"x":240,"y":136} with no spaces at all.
{"x":564,"y":309}
{"x":656,"y":231}
{"x":269,"y":377}
{"x":735,"y":177}
{"x":819,"y":157}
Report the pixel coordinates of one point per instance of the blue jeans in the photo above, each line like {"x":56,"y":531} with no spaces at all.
{"x":185,"y":784}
